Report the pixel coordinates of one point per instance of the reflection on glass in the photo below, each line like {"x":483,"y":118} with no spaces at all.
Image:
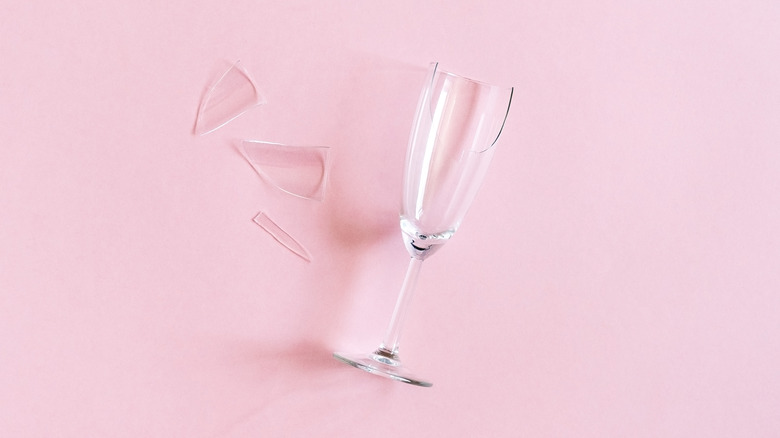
{"x":451,"y":144}
{"x":281,"y":236}
{"x":232,"y":95}
{"x":298,"y":170}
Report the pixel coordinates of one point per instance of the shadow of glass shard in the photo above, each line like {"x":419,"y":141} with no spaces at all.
{"x":232,"y":95}
{"x":281,"y":236}
{"x":298,"y":170}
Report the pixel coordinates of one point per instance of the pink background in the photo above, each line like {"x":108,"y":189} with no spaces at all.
{"x":618,"y":275}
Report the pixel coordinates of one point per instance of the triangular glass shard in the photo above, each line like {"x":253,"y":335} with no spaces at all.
{"x":281,"y":236}
{"x":298,"y":170}
{"x":232,"y":95}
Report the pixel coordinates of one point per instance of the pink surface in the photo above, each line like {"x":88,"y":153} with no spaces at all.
{"x":616,"y":276}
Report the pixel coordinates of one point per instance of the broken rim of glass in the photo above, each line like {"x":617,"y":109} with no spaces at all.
{"x":281,"y":236}
{"x":298,"y":170}
{"x":232,"y":95}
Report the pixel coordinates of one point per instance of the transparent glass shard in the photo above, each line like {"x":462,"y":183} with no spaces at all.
{"x":281,"y":236}
{"x":298,"y":170}
{"x":232,"y":95}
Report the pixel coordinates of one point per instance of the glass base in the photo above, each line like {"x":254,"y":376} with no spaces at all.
{"x":382,"y":363}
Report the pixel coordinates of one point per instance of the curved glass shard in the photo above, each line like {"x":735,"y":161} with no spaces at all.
{"x":281,"y":236}
{"x":232,"y":95}
{"x":298,"y":170}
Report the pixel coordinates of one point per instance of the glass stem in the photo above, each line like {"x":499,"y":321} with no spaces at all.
{"x":393,"y":334}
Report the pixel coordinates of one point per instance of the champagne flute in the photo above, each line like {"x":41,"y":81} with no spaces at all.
{"x":458,"y":122}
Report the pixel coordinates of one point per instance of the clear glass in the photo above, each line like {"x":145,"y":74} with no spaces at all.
{"x":281,"y":236}
{"x":298,"y":170}
{"x":232,"y":94}
{"x":458,"y":123}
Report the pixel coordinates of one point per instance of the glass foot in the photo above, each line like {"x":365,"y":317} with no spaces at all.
{"x":382,"y":363}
